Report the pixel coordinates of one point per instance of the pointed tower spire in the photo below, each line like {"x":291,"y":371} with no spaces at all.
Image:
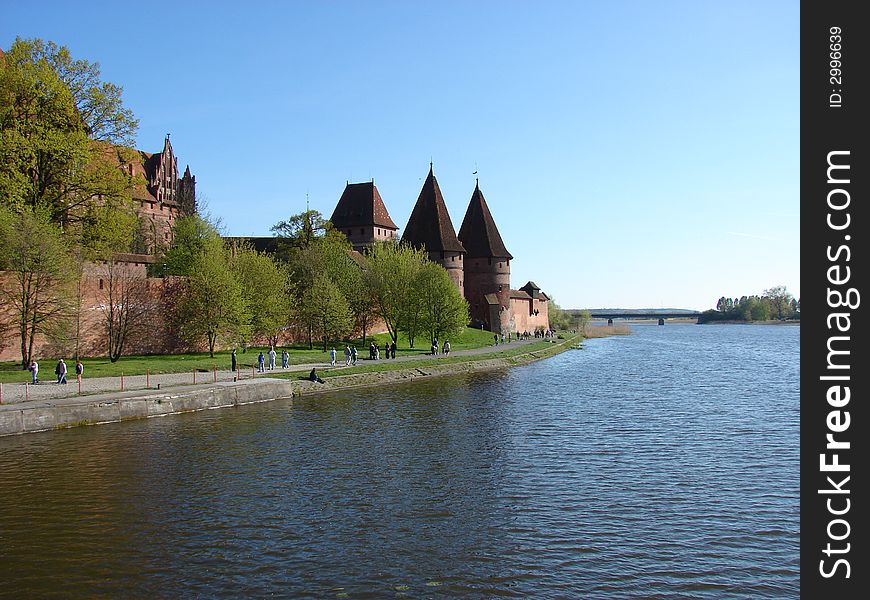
{"x":478,"y":233}
{"x":429,"y":227}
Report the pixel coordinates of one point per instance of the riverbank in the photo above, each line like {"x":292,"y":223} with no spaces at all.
{"x":59,"y":413}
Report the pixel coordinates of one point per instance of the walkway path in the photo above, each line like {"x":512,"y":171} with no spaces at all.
{"x":47,"y":389}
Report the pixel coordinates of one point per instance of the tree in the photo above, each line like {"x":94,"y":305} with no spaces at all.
{"x":191,"y":236}
{"x":443,"y":310}
{"x":389,"y":275}
{"x":301,"y":230}
{"x":325,"y":310}
{"x":125,"y":303}
{"x":780,"y":301}
{"x":55,"y":116}
{"x":38,"y":293}
{"x":266,"y":290}
{"x":213,"y":305}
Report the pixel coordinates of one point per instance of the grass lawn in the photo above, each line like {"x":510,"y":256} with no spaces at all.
{"x":11,"y":372}
{"x":426,"y":361}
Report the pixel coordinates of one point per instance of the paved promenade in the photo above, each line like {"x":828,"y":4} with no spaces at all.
{"x":47,"y":388}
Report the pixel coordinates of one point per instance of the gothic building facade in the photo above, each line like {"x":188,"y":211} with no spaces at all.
{"x":160,"y":196}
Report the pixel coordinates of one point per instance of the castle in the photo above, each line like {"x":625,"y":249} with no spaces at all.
{"x":477,"y":260}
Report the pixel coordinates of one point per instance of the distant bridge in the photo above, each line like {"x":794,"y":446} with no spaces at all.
{"x":640,"y":315}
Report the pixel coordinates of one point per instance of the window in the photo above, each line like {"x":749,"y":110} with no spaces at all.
{"x":101,"y":284}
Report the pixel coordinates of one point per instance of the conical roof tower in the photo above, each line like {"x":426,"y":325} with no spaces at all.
{"x":362,"y":215}
{"x":478,"y":233}
{"x":487,"y":270}
{"x":429,"y":227}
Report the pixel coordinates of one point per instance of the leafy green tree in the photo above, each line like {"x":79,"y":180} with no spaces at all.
{"x":192,"y":235}
{"x":266,"y":290}
{"x":443,"y":310}
{"x":326,"y":311}
{"x":38,"y":294}
{"x":54,"y":112}
{"x":780,"y":301}
{"x":213,"y":304}
{"x":301,"y":230}
{"x":389,"y":274}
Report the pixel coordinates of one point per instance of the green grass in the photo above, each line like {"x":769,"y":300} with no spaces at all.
{"x":424,"y":361}
{"x":11,"y":372}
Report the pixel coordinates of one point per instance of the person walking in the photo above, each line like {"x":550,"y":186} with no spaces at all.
{"x":60,"y":370}
{"x":234,"y":365}
{"x":346,"y":356}
{"x":261,"y":362}
{"x":377,"y":352}
{"x":393,"y":349}
{"x":80,"y":368}
{"x":272,"y":355}
{"x":353,"y":355}
{"x":34,"y":371}
{"x":285,"y":359}
{"x":446,"y":346}
{"x":332,"y":357}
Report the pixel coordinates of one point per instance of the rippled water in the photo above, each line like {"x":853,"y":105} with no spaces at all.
{"x":660,"y":464}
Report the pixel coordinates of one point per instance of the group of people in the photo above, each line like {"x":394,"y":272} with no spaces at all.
{"x":261,"y":360}
{"x":60,"y":371}
{"x":445,"y":349}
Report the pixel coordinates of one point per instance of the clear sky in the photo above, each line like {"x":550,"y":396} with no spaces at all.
{"x":634,"y":154}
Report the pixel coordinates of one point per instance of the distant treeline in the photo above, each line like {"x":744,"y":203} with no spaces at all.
{"x":775,"y":304}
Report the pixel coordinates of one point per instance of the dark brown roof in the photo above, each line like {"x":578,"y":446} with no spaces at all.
{"x":530,"y":286}
{"x":430,"y":226}
{"x":491,"y":298}
{"x":520,"y":295}
{"x":478,"y":233}
{"x":361,"y":204}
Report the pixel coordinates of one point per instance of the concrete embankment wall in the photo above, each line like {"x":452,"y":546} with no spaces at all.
{"x":109,"y":408}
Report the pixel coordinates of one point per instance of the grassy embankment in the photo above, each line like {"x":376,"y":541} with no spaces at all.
{"x":11,"y":372}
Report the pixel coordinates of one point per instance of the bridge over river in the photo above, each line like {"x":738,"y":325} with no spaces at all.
{"x":639,"y":314}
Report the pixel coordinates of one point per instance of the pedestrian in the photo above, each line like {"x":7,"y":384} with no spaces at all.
{"x":261,"y":362}
{"x":285,"y":359}
{"x":60,"y":371}
{"x":496,"y":339}
{"x":272,"y":355}
{"x":346,"y":356}
{"x":353,"y":355}
{"x":332,"y":357}
{"x":377,"y":352}
{"x":80,"y":368}
{"x":313,"y":376}
{"x":446,"y":346}
{"x":233,"y":363}
{"x":434,"y":348}
{"x":393,"y":349}
{"x":371,"y":351}
{"x":34,"y":370}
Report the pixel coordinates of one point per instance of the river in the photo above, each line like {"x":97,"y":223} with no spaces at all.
{"x":663,"y":463}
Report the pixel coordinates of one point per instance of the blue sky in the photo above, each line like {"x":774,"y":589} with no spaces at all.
{"x":633,"y":154}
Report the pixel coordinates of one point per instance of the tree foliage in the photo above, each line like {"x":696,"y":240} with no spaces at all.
{"x":55,"y":115}
{"x":443,"y":310}
{"x":192,"y":235}
{"x":389,"y":273}
{"x":266,"y":292}
{"x":326,"y":311}
{"x":776,"y":303}
{"x":213,"y":305}
{"x":37,"y":295}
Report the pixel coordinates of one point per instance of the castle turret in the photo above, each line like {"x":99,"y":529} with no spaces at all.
{"x":487,"y":263}
{"x":431,"y":229}
{"x":362,"y":216}
{"x":187,"y":193}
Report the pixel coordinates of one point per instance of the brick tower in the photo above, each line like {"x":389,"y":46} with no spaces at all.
{"x":362,"y":216}
{"x":430,"y":228}
{"x":487,"y":262}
